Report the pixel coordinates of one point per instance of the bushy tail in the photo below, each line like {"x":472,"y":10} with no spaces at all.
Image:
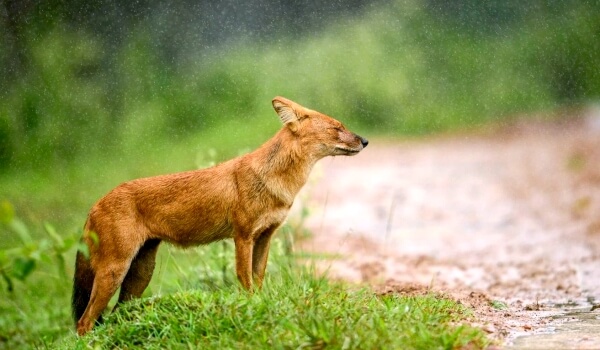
{"x":82,"y":285}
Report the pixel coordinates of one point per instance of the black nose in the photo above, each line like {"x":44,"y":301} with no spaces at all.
{"x":364,"y":141}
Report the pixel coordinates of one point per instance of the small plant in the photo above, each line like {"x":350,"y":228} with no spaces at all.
{"x":18,"y":263}
{"x":498,"y":305}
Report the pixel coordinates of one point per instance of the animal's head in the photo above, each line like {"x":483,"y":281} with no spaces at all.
{"x":321,"y":134}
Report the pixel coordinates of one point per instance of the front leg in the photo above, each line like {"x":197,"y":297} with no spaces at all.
{"x":243,"y":260}
{"x":260,"y":255}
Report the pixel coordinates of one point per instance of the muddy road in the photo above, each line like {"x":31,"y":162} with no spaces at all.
{"x":507,"y":216}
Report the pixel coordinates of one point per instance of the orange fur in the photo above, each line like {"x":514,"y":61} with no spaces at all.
{"x":246,"y":198}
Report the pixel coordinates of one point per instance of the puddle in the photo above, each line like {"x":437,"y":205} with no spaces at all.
{"x":575,"y":329}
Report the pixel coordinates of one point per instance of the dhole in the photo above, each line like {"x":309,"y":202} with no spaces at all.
{"x":245,"y":198}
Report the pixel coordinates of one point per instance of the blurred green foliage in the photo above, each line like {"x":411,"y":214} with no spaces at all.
{"x":407,"y":67}
{"x":19,"y":262}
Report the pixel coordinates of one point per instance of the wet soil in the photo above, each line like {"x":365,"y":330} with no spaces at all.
{"x":505,"y":220}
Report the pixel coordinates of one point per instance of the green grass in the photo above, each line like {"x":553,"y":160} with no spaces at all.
{"x":35,"y":313}
{"x":194,"y":300}
{"x":294,"y":311}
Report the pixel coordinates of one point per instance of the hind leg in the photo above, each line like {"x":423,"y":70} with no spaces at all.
{"x":106,"y":281}
{"x":140,"y":272}
{"x":260,"y":255}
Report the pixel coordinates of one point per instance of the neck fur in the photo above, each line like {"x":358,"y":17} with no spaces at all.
{"x":283,"y":165}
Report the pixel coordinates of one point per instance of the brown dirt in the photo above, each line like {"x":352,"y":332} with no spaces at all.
{"x":510,"y":214}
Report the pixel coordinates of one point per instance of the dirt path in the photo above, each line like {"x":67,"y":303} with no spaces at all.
{"x":510,"y":215}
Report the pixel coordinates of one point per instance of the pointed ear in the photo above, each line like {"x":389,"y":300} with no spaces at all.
{"x":284,"y":109}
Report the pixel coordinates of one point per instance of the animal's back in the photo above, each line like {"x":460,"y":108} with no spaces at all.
{"x":185,"y":208}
